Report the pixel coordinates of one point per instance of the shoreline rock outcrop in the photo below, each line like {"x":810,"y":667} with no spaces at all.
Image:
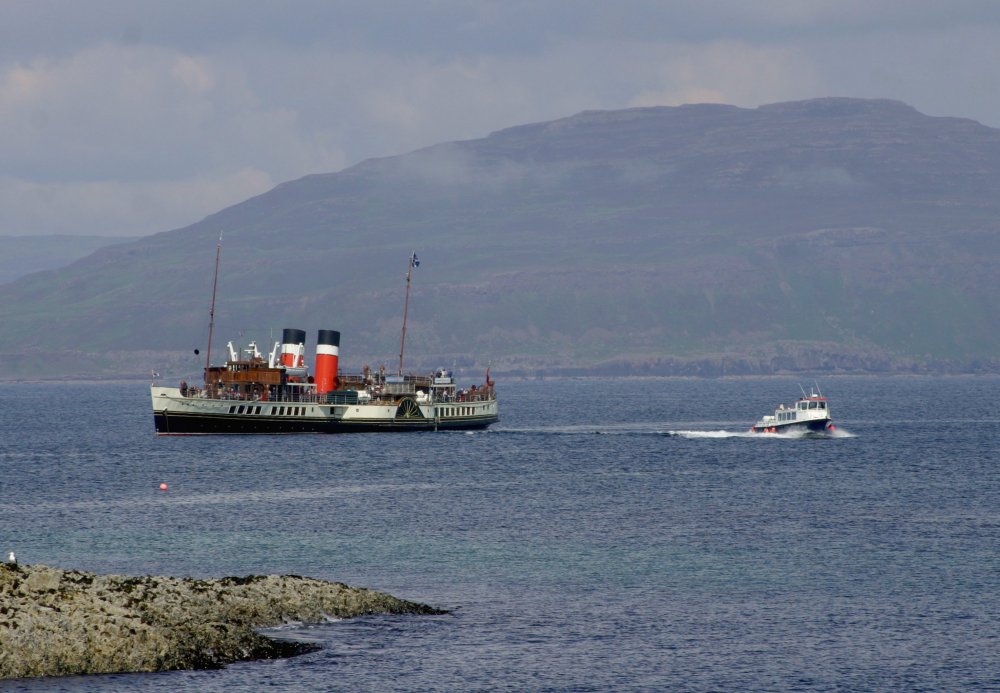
{"x":56,"y":622}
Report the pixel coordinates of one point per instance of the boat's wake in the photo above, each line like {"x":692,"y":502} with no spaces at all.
{"x":641,"y":429}
{"x":585,"y":429}
{"x":789,"y":435}
{"x":711,"y":434}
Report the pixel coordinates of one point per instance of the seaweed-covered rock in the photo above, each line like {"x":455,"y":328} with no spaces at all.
{"x":57,"y":622}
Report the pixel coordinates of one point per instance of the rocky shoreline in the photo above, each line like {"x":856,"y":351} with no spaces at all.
{"x":57,"y":622}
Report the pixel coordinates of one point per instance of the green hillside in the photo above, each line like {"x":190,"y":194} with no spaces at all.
{"x":834,"y":234}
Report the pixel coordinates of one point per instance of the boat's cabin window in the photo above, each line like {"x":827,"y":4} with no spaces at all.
{"x":802,"y":405}
{"x":822,"y":405}
{"x":812,"y":405}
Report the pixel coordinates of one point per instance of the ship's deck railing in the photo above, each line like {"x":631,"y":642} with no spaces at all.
{"x":310,"y":397}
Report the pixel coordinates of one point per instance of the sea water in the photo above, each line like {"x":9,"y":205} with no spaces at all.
{"x":605,"y":535}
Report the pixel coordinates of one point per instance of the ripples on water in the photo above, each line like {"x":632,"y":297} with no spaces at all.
{"x":606,"y":535}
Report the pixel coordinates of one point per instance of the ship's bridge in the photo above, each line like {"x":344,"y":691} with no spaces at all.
{"x":811,"y":408}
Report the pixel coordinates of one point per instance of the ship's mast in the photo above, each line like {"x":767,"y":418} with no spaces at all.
{"x":414,"y":262}
{"x":211,"y":310}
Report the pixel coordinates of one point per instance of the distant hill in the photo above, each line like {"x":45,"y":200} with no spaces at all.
{"x":837,"y":234}
{"x":23,"y":255}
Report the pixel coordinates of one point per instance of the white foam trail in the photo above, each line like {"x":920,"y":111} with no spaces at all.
{"x":790,"y":435}
{"x":713,"y":434}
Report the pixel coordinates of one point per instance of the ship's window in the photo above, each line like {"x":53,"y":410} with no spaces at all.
{"x":232,"y":409}
{"x":822,"y":405}
{"x":241,"y":409}
{"x":812,"y":405}
{"x":257,"y":410}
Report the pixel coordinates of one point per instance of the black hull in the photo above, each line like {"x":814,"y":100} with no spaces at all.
{"x":209,"y":424}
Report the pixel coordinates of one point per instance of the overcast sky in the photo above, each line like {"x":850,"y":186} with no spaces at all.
{"x":128,"y":117}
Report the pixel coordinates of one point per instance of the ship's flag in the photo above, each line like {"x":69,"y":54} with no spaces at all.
{"x":414,"y":262}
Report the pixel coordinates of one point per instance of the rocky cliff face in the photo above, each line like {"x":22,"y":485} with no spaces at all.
{"x":61,"y":622}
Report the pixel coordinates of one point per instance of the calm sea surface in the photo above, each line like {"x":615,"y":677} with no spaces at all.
{"x":579,"y":545}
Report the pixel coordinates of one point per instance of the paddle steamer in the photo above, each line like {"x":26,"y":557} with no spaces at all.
{"x":251,"y":394}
